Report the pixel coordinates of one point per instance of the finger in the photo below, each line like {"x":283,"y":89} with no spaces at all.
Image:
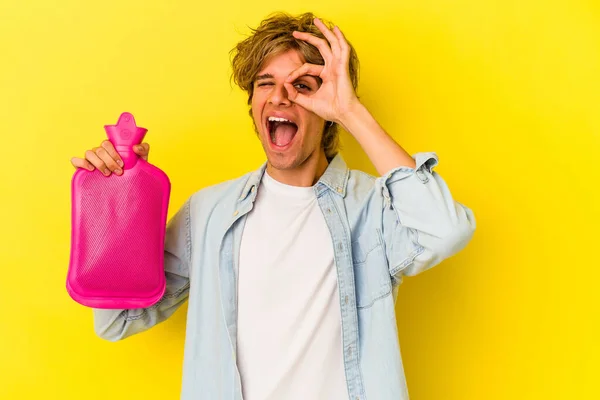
{"x":82,"y":163}
{"x":305,"y":69}
{"x":344,"y":46}
{"x":110,"y":162}
{"x":142,"y":150}
{"x":319,"y":43}
{"x":298,"y":98}
{"x":91,"y":156}
{"x":108,"y":146}
{"x":333,"y":39}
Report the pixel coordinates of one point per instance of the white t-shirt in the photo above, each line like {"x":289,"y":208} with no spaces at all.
{"x":289,"y":324}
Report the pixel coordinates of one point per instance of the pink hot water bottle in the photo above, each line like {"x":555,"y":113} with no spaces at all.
{"x":118,"y":228}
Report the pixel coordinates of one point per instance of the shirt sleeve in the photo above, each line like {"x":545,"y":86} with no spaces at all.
{"x":422,"y":223}
{"x":118,"y":324}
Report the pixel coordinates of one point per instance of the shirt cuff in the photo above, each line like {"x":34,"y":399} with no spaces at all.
{"x":425,"y":161}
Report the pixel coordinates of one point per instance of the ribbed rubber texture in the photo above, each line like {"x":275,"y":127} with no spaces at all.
{"x":118,"y":225}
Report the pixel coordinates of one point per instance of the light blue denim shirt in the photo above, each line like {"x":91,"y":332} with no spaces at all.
{"x":381,"y":229}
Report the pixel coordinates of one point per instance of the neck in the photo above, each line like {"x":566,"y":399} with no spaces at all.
{"x":305,"y":174}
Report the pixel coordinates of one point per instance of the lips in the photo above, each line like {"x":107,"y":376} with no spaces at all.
{"x":281,"y":129}
{"x":280,"y":115}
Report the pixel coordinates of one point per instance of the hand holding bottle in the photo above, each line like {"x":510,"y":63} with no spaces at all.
{"x":106,"y":159}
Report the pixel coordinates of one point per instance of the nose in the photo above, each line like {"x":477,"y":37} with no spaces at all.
{"x":279,"y":95}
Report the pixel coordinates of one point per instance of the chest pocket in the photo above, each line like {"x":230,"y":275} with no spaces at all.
{"x":371,"y":273}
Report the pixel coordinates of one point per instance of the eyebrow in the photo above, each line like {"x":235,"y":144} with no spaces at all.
{"x":264,"y":76}
{"x":270,"y":76}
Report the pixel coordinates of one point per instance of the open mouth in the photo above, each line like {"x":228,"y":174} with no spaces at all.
{"x":281,"y":131}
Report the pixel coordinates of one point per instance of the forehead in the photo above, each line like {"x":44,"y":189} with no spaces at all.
{"x":282,"y":63}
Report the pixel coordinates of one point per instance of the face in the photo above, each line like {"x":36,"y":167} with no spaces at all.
{"x":287,"y":145}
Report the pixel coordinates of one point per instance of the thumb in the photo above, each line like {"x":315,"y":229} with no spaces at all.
{"x":142,"y":150}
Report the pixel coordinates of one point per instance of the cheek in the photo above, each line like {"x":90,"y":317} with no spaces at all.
{"x":256,"y":117}
{"x":256,"y":111}
{"x":314,"y":128}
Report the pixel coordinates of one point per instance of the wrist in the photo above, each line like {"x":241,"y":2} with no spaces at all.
{"x":349,"y":119}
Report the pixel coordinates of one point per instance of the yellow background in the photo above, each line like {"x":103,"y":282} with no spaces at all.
{"x":506,"y":92}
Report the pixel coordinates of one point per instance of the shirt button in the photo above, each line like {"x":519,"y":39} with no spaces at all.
{"x":236,"y":213}
{"x":253,"y":189}
{"x":346,"y":299}
{"x":339,"y":190}
{"x":340,"y":246}
{"x":350,"y":351}
{"x":329,"y":211}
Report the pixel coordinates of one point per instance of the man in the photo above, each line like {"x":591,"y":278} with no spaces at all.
{"x":292,"y":270}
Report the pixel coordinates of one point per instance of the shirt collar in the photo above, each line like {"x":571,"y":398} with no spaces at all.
{"x":335,"y":178}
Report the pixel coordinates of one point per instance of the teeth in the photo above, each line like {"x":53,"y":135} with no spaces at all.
{"x":279,"y":119}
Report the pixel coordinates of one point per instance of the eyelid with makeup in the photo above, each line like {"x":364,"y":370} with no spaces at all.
{"x":295,"y":83}
{"x":268,"y":77}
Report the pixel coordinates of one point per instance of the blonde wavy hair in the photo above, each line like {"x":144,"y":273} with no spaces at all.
{"x":274,"y":37}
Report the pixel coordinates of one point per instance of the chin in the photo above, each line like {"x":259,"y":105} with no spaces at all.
{"x":283,"y":161}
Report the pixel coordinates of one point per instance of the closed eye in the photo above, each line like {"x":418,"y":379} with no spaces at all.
{"x":303,"y":86}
